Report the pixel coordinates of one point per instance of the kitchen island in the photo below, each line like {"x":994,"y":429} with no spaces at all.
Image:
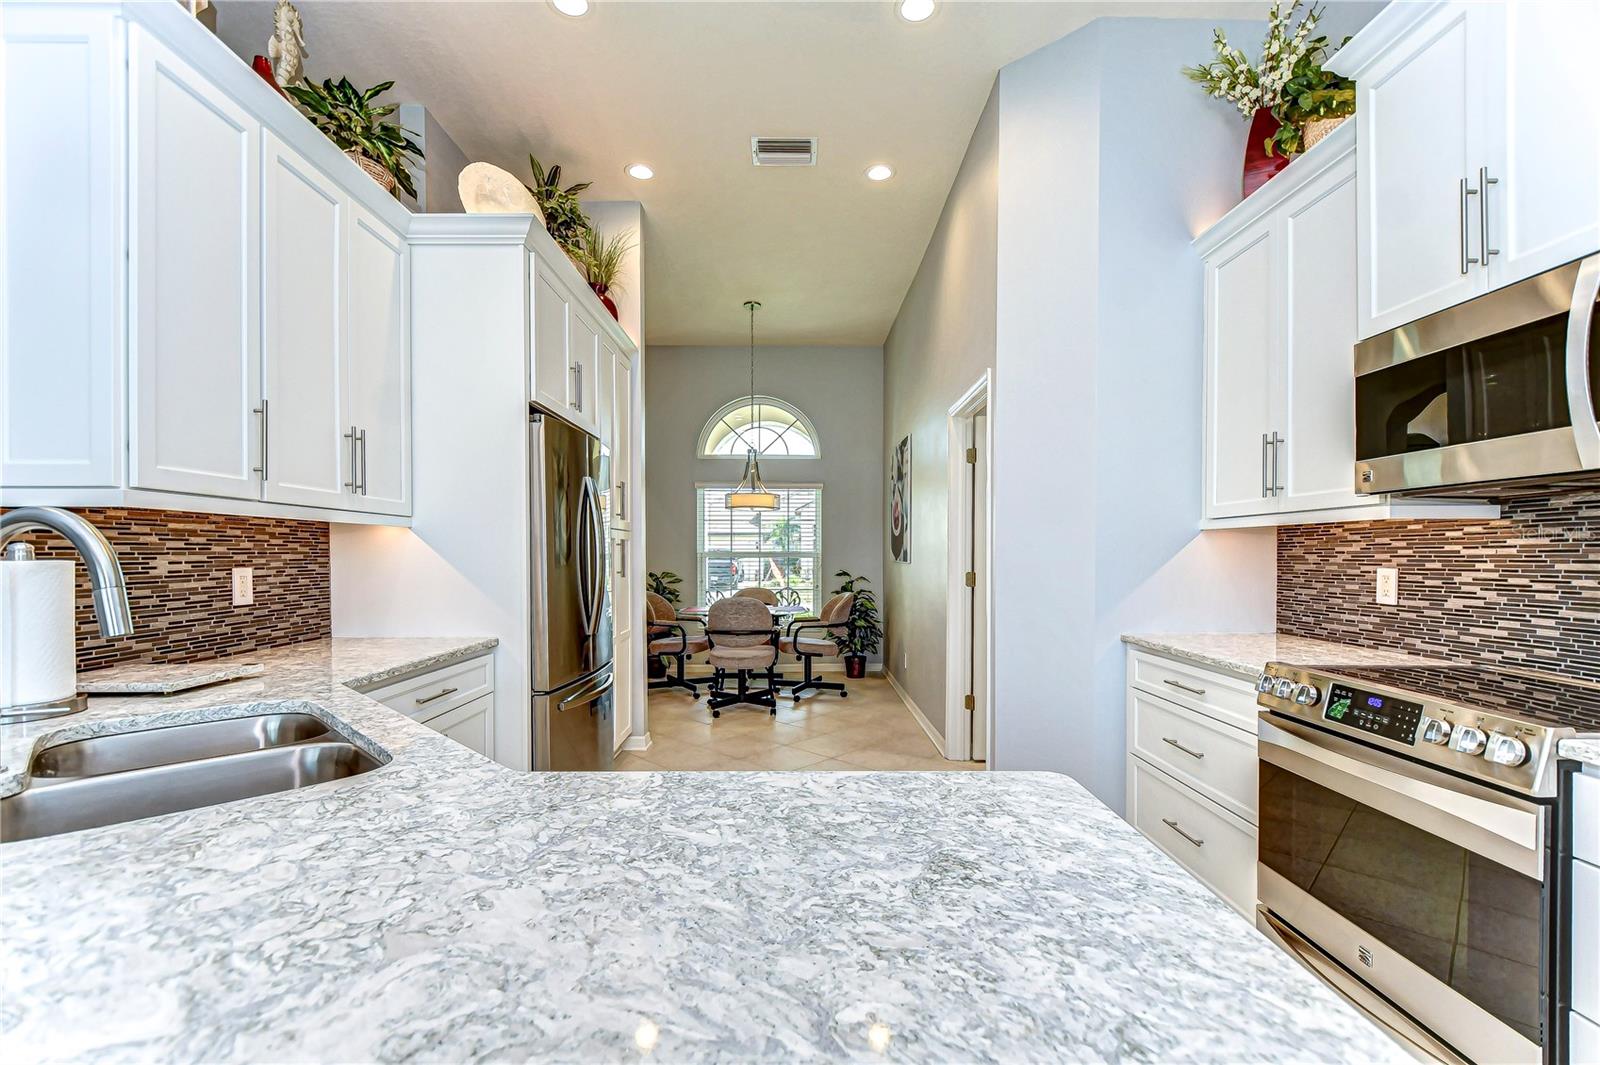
{"x":444,"y":908}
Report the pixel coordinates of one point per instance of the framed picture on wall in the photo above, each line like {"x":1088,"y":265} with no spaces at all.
{"x":900,"y":501}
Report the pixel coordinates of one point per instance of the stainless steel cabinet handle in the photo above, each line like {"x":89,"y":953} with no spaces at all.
{"x":622,"y":559}
{"x":1170,"y":823}
{"x":354,"y":483}
{"x":1181,"y":747}
{"x":1466,"y":190}
{"x":622,"y":500}
{"x":1264,"y":445}
{"x":1184,"y":687}
{"x":1277,"y":449}
{"x":577,"y":391}
{"x":1484,"y":181}
{"x":437,"y":695}
{"x":262,"y":410}
{"x":363,"y":442}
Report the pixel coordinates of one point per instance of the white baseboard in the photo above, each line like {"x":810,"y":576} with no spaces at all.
{"x":916,"y":712}
{"x":637,"y":743}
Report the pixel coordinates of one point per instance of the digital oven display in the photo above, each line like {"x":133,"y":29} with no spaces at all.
{"x":1393,"y":719}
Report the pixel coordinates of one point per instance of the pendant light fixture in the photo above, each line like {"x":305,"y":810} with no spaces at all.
{"x":751,"y":494}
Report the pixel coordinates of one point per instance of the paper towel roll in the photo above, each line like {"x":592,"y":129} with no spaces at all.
{"x":38,"y":662}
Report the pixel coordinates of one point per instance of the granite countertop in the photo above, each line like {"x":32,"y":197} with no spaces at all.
{"x":1246,"y":654}
{"x":444,"y":908}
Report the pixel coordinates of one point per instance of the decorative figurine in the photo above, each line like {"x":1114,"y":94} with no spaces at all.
{"x":288,"y":45}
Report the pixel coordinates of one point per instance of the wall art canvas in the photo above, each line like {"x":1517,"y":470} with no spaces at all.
{"x":900,"y":501}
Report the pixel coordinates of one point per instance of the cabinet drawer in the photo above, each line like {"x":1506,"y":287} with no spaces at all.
{"x":1586,"y":939}
{"x":1218,"y":848}
{"x":1586,"y":817}
{"x":1225,"y":698}
{"x":471,"y":725}
{"x":1217,"y":760}
{"x":428,"y":695}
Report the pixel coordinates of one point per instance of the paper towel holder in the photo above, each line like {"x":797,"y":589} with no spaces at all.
{"x":110,"y":587}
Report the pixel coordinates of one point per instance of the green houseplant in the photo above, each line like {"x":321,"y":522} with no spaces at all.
{"x":864,"y":634}
{"x":347,"y":116}
{"x":602,"y":263}
{"x":563,"y":214}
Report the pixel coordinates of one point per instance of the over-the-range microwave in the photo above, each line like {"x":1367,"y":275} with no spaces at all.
{"x":1494,"y":395}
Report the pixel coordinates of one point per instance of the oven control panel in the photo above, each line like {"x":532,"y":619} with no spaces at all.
{"x":1380,"y":715}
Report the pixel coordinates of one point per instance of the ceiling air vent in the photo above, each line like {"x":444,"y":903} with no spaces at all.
{"x":783,"y":151}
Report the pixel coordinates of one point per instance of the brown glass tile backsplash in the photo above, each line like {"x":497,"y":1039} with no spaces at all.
{"x":1521,"y":591}
{"x":179,"y":568}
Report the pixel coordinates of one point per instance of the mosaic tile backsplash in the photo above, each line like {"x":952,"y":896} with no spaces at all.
{"x":1522,"y":590}
{"x":179,"y":568}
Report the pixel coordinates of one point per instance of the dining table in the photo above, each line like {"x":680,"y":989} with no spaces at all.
{"x":782,"y":613}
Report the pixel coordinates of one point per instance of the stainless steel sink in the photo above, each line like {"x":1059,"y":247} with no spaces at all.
{"x":106,"y":780}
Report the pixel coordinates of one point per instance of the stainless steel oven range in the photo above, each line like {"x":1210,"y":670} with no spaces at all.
{"x":1406,"y":850}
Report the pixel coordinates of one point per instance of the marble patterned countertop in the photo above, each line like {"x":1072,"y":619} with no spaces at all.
{"x":1246,"y":654}
{"x":444,"y":908}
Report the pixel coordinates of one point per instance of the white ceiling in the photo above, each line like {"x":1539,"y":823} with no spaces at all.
{"x":683,"y":86}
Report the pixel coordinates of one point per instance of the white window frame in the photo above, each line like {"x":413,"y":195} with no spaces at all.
{"x":702,"y":447}
{"x":701,"y":554}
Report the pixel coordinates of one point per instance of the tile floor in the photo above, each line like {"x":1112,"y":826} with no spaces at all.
{"x":872,"y":729}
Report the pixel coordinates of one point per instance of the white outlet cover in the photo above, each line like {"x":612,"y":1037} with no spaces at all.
{"x":244,"y":585}
{"x":1388,"y":586}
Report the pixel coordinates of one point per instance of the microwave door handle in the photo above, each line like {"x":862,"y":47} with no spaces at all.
{"x":1580,"y":399}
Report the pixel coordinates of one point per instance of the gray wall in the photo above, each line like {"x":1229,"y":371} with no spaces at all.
{"x":839,"y":389}
{"x":941,"y":342}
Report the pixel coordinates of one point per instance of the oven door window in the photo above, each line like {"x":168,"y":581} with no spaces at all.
{"x":1471,"y":922}
{"x":1503,"y":385}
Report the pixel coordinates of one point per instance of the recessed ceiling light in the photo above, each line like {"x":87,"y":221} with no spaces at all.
{"x":580,"y":8}
{"x":916,"y":10}
{"x":640,"y":171}
{"x":880,"y":172}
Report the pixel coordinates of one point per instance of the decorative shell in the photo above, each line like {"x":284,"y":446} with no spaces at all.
{"x":486,"y":189}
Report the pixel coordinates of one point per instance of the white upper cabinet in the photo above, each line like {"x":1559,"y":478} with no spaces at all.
{"x":621,"y":436}
{"x":193,"y":284}
{"x":583,"y":407}
{"x":1543,"y":200}
{"x":303,"y":330}
{"x":61,"y":326}
{"x":378,"y":368}
{"x":552,"y":369}
{"x":1479,"y":159}
{"x":1242,"y":368}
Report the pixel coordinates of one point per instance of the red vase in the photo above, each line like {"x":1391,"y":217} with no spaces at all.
{"x":606,"y":301}
{"x":1258,"y":165}
{"x":263,"y":66}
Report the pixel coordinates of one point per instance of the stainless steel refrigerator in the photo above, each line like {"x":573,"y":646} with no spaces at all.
{"x":571,"y":602}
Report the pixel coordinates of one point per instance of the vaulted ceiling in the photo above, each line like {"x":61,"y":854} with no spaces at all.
{"x":683,"y":87}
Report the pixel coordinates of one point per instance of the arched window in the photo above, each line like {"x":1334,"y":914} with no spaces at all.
{"x":773,"y":428}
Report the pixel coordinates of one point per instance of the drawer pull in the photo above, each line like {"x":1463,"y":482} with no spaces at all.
{"x":437,"y":695}
{"x":1184,"y":687}
{"x":1181,"y":747}
{"x":1170,"y":823}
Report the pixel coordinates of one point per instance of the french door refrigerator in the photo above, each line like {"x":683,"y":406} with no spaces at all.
{"x":571,"y":624}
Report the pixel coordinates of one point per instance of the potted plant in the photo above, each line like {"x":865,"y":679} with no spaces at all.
{"x":602,"y":263}
{"x":348,"y":118}
{"x":665,"y":584}
{"x":863,"y":633}
{"x":563,"y":214}
{"x":1282,"y":95}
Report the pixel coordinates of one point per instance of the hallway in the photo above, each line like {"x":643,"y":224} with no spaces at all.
{"x":871,"y":730}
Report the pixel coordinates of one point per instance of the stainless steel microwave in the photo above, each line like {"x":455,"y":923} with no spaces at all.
{"x":1499,"y":393}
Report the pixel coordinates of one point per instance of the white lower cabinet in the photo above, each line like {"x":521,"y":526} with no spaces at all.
{"x":471,"y":725}
{"x":1583,"y":1021}
{"x":1191,"y":785}
{"x":456,"y":700}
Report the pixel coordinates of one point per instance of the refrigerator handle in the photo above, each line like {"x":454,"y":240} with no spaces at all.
{"x":597,"y":550}
{"x":581,"y":546}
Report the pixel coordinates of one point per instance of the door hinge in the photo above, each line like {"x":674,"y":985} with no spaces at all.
{"x":972,"y":456}
{"x":969,"y":702}
{"x":972,"y":579}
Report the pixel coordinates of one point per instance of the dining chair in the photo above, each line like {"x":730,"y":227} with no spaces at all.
{"x":759,"y":594}
{"x":669,"y":637}
{"x":834,"y":621}
{"x":744,"y":642}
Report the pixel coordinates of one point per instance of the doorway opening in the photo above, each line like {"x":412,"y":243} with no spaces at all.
{"x":969,"y":687}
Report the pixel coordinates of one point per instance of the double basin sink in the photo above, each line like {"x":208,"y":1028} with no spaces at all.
{"x":106,"y":780}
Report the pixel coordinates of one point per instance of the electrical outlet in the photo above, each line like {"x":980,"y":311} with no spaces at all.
{"x":244,"y":585}
{"x":1388,"y":591}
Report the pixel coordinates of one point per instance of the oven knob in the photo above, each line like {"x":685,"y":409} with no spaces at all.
{"x":1265,"y":683}
{"x":1467,"y":740}
{"x":1307,"y":695}
{"x":1283,"y":688}
{"x":1435,"y":730}
{"x":1506,"y":750}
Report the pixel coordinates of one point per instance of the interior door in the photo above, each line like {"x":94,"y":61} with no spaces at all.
{"x":1418,"y":116}
{"x":302,"y":285}
{"x":1545,"y":208}
{"x":980,"y":715}
{"x":193,"y":287}
{"x":1242,"y":375}
{"x":378,"y":385}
